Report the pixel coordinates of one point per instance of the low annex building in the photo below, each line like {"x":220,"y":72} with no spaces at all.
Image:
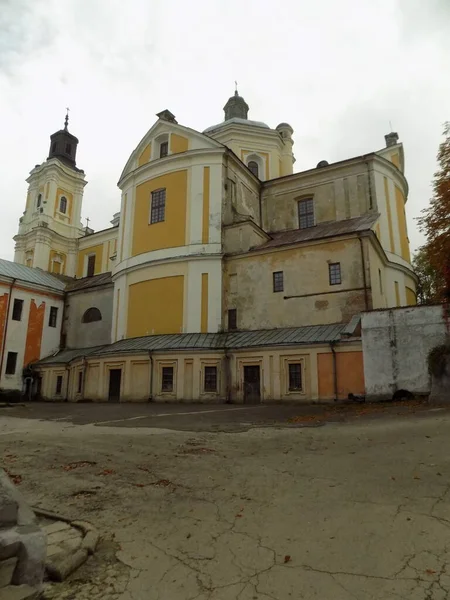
{"x":225,"y":276}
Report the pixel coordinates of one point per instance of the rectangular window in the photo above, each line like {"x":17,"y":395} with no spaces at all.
{"x":53,"y":316}
{"x":278,"y":281}
{"x":11,"y":361}
{"x":80,"y":382}
{"x":232,"y":319}
{"x":167,"y":379}
{"x":380,"y":279}
{"x":210,"y":379}
{"x":90,"y":265}
{"x":17,"y":310}
{"x":163,"y":149}
{"x":295,"y":377}
{"x":334,"y":270}
{"x":306,"y":213}
{"x":58,"y":384}
{"x":158,"y":209}
{"x":63,"y":205}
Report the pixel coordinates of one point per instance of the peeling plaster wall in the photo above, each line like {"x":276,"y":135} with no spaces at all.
{"x":84,"y":335}
{"x":248,"y":286}
{"x":339,"y":193}
{"x":396,"y":344}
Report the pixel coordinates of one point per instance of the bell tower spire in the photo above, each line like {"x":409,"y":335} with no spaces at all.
{"x":63,"y":145}
{"x":51,"y":223}
{"x":236,"y":106}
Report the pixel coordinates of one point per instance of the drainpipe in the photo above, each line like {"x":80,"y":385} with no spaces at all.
{"x":369,"y":181}
{"x":335,"y":373}
{"x":150,"y":397}
{"x":68,"y":383}
{"x":6,"y":324}
{"x":84,"y":377}
{"x":363,"y":263}
{"x":227,"y":378}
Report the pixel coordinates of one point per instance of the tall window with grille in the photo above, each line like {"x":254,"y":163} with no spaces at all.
{"x":63,"y":205}
{"x":278,"y":281}
{"x":254,"y":168}
{"x":306,"y":213}
{"x":167,"y":379}
{"x":210,"y":384}
{"x":53,"y":316}
{"x":295,"y":377}
{"x":158,"y":206}
{"x":334,"y":270}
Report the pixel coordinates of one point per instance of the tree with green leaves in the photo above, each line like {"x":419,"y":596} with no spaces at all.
{"x":435,"y":219}
{"x":431,"y":285}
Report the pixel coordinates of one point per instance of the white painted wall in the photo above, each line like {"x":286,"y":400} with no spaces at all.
{"x":396,"y":344}
{"x":16,"y":333}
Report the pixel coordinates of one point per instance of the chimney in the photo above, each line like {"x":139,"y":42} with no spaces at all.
{"x":391,"y":139}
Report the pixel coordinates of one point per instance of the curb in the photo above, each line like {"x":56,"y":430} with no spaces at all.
{"x":60,"y":567}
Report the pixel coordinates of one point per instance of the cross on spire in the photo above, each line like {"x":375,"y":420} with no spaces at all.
{"x":66,"y":120}
{"x":236,"y":90}
{"x":87,"y":222}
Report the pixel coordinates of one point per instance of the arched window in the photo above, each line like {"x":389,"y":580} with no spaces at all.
{"x":92,"y":314}
{"x":39,"y":201}
{"x":254,"y":167}
{"x":63,"y":204}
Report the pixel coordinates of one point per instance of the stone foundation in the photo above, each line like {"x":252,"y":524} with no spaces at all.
{"x":23,"y":545}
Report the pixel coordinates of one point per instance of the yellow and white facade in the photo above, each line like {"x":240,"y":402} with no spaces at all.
{"x":208,"y":222}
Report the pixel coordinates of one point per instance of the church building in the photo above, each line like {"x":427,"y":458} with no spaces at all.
{"x":225,"y":277}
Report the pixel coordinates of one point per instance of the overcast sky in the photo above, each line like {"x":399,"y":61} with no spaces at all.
{"x":337,"y":71}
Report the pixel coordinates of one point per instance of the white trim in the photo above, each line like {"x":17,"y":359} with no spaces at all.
{"x":180,"y":253}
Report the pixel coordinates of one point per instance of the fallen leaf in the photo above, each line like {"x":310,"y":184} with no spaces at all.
{"x":238,"y":516}
{"x":140,"y":485}
{"x":416,"y":477}
{"x":430,"y":572}
{"x":107,"y":472}
{"x":393,"y":478}
{"x":287,"y":558}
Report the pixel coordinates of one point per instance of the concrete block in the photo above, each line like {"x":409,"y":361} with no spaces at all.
{"x":9,"y":508}
{"x":61,"y":566}
{"x":25,"y":516}
{"x":55,"y":527}
{"x":6,"y":571}
{"x":32,"y":549}
{"x":90,"y":541}
{"x":19,"y":592}
{"x":59,"y":537}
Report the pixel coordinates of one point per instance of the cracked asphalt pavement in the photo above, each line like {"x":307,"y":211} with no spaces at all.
{"x":354,"y":509}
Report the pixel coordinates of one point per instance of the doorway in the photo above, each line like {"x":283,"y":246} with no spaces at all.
{"x":115,"y":377}
{"x":252,"y":384}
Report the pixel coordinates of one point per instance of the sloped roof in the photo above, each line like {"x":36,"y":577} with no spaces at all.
{"x":238,"y":339}
{"x":322,"y":230}
{"x":65,"y":356}
{"x":89,"y":282}
{"x":30,"y":275}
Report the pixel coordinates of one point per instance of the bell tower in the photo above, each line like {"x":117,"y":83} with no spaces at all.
{"x":51,"y":223}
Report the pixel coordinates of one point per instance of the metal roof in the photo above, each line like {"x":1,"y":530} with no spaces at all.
{"x":30,"y":275}
{"x":321,"y":230}
{"x":238,"y":121}
{"x":89,"y":282}
{"x":65,"y":356}
{"x":220,"y":341}
{"x":311,"y":334}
